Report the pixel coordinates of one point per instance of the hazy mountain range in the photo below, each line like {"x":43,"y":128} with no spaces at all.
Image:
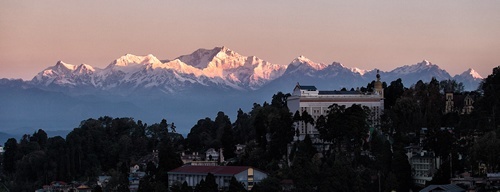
{"x":181,"y":90}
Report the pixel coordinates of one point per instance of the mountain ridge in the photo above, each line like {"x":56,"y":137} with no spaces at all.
{"x":226,"y":69}
{"x":184,"y":89}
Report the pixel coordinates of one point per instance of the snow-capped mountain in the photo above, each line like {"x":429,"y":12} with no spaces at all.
{"x":304,"y":66}
{"x":336,"y":76}
{"x":302,"y":62}
{"x":65,"y":74}
{"x":471,"y":73}
{"x":424,"y":71}
{"x":358,"y":70}
{"x":327,"y":76}
{"x":219,"y":67}
{"x":470,"y":78}
{"x":224,"y":69}
{"x":415,"y":68}
{"x":235,"y":70}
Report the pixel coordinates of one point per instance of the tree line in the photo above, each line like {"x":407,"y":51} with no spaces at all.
{"x":103,"y":146}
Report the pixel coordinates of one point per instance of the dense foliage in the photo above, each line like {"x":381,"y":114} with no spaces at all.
{"x":103,"y":146}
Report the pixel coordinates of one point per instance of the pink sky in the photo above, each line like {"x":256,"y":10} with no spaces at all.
{"x":454,"y":34}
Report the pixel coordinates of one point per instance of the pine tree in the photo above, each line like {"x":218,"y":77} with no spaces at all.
{"x":235,"y":186}
{"x":210,"y":184}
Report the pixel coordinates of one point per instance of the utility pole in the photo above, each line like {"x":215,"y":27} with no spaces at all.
{"x":379,"y":187}
{"x":451,"y":167}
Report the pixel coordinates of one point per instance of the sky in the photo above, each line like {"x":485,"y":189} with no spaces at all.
{"x":454,"y":34}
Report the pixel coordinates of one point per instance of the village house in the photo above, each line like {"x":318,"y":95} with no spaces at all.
{"x":135,"y":177}
{"x":214,"y":155}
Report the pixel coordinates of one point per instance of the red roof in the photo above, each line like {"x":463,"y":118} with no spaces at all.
{"x":216,"y":170}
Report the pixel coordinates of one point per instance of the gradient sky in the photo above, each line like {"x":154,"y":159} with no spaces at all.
{"x":454,"y":34}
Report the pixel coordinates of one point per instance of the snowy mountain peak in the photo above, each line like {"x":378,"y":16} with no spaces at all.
{"x":224,"y":52}
{"x":201,"y":57}
{"x":84,"y":68}
{"x":224,"y":49}
{"x":424,"y":65}
{"x":425,"y":62}
{"x":470,"y":78}
{"x":472,"y":73}
{"x":64,"y":74}
{"x":338,"y":64}
{"x":60,"y":64}
{"x":358,"y":70}
{"x":302,"y":60}
{"x":126,"y":60}
{"x":150,"y":59}
{"x":134,"y":61}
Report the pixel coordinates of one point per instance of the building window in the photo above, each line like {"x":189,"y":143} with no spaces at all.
{"x":250,"y":178}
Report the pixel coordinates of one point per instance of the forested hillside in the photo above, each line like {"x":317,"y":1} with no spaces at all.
{"x":103,"y":146}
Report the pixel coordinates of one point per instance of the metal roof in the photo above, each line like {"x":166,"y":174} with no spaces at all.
{"x":444,"y":188}
{"x":308,"y":87}
{"x":340,"y":93}
{"x":216,"y":170}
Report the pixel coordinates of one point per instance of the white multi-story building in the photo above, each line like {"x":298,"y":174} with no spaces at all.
{"x":214,"y":155}
{"x":316,"y":103}
{"x":424,"y":166}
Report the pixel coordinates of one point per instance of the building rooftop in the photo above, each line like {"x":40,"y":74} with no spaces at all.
{"x":216,"y":170}
{"x":448,"y":188}
{"x":308,"y":87}
{"x":339,"y":93}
